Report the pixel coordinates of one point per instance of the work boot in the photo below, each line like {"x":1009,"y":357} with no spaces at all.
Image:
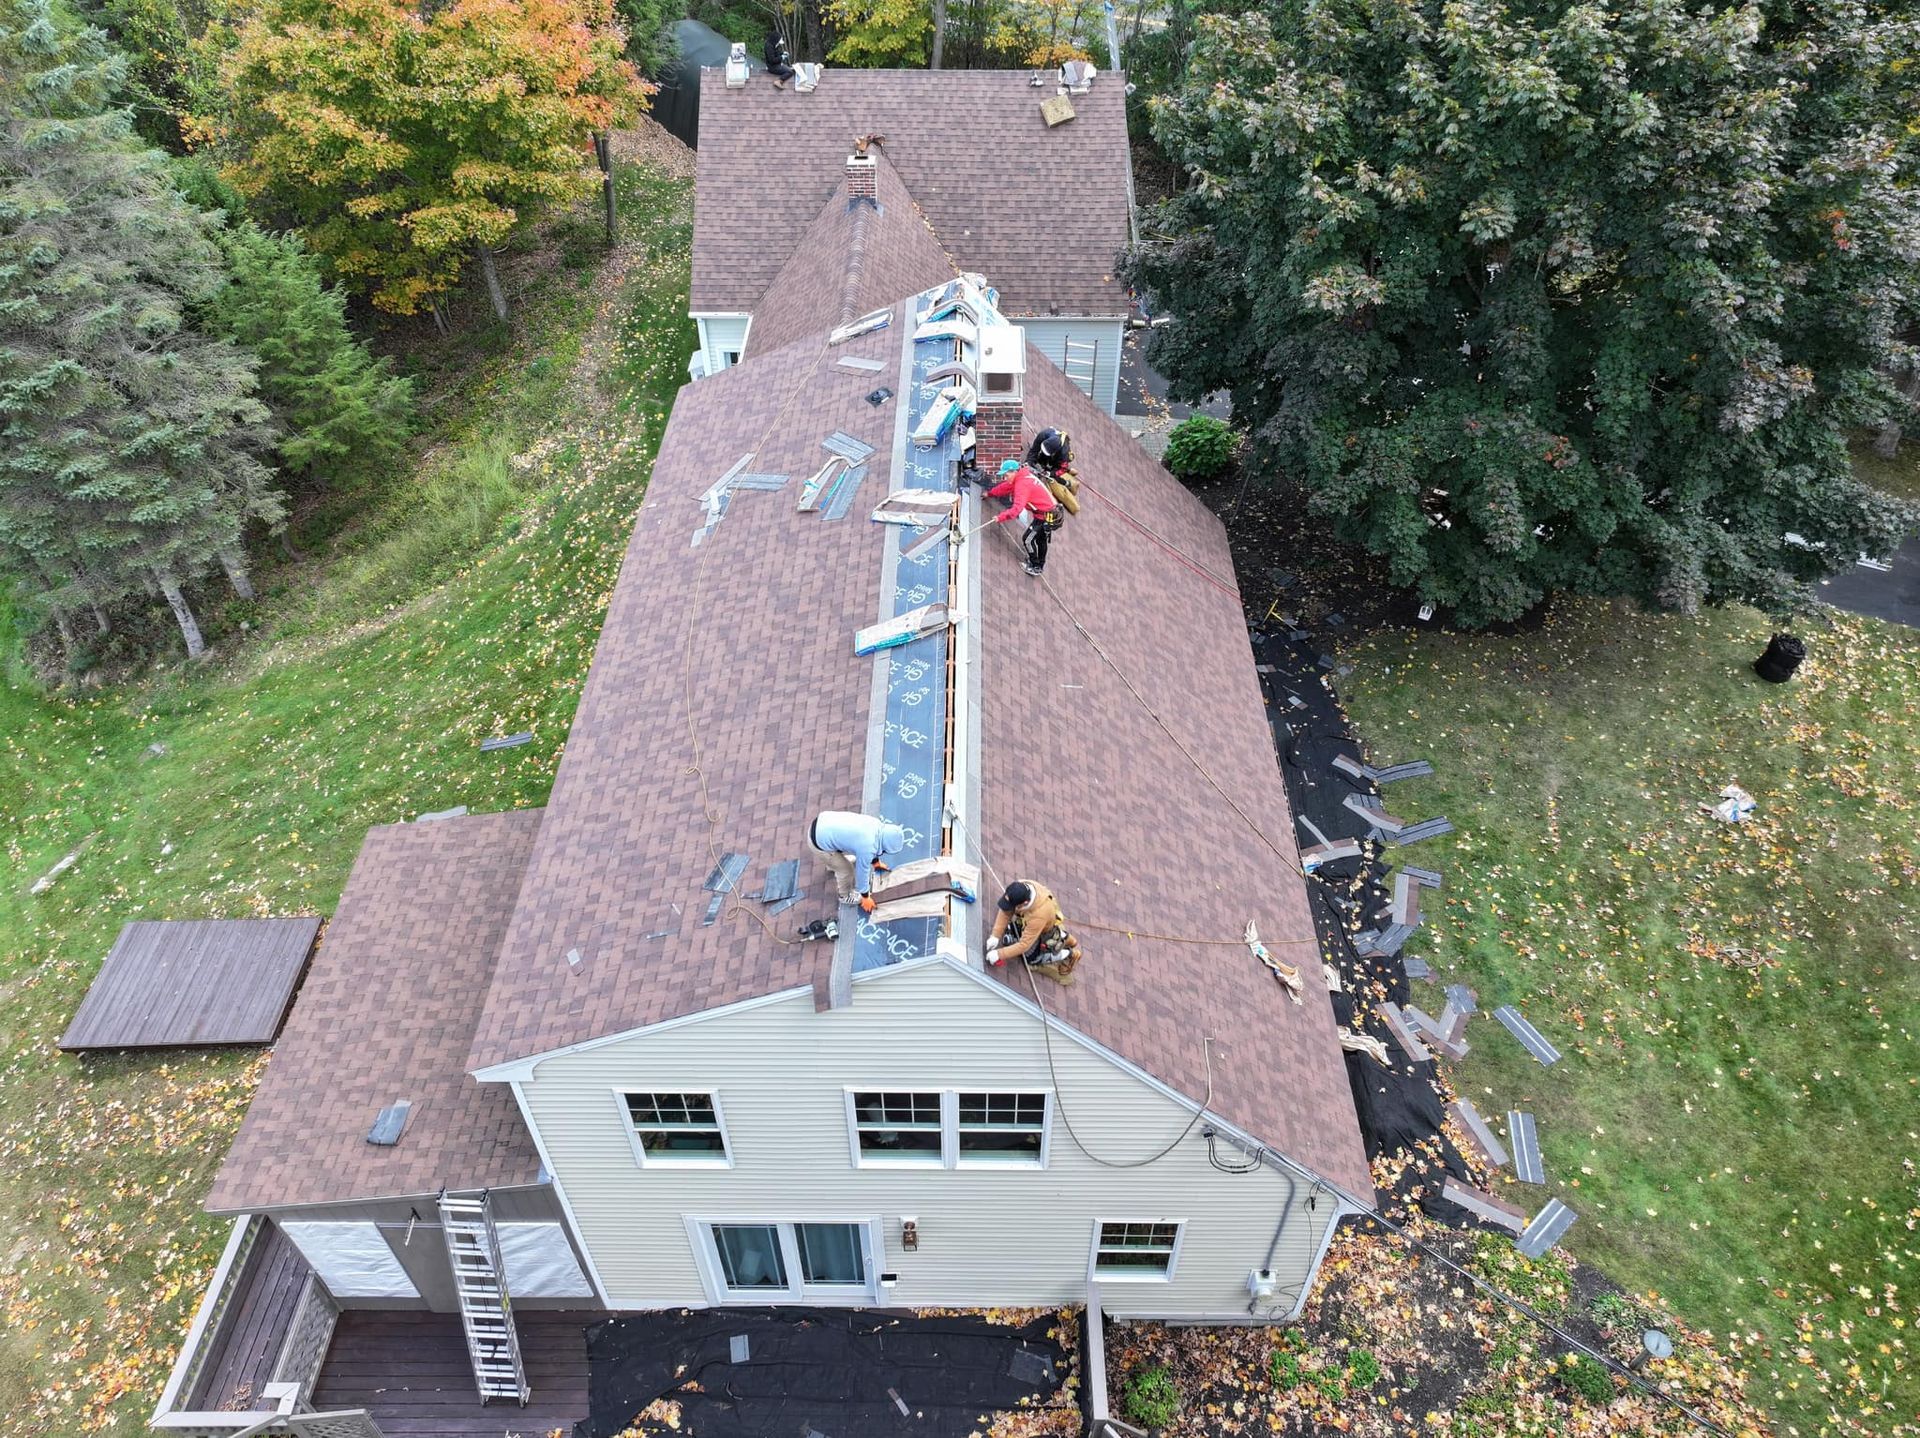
{"x":1033,"y":569}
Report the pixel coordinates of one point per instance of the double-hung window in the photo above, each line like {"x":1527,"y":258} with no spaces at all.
{"x":676,"y":1130}
{"x":897,"y":1127}
{"x":1133,"y":1250}
{"x":948,"y":1128}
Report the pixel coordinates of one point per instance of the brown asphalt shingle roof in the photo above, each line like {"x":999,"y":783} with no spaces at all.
{"x":1080,"y":786}
{"x":1041,"y":213}
{"x":1082,"y":789}
{"x":766,"y":678}
{"x":387,"y":1013}
{"x":851,"y":259}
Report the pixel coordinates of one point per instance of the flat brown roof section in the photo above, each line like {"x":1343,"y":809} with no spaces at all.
{"x":171,"y":983}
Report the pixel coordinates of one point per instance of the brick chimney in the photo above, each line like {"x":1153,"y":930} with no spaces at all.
{"x":1000,"y":429}
{"x":861,"y":183}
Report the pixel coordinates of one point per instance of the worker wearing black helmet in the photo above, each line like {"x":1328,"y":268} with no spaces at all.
{"x":1051,"y":457}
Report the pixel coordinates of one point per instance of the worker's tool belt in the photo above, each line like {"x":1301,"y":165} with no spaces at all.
{"x":1054,"y":946}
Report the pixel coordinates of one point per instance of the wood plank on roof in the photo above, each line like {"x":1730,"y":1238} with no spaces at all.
{"x":178,"y":983}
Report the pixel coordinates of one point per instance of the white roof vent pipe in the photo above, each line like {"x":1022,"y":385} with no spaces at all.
{"x":737,"y":66}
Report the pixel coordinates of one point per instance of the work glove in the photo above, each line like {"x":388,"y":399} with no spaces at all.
{"x":866,"y":903}
{"x":881,"y":866}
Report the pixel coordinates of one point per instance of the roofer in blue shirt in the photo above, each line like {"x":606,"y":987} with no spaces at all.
{"x":852,"y":845}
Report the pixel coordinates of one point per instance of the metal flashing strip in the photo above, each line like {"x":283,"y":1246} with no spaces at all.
{"x":1530,"y":1038}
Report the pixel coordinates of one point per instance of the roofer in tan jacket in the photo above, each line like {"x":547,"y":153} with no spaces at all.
{"x":1039,"y":933}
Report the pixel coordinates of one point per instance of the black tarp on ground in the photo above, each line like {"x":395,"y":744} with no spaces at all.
{"x":1399,"y":1107}
{"x":820,"y":1370}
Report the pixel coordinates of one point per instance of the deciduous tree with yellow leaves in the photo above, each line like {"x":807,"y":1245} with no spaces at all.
{"x":405,"y":141}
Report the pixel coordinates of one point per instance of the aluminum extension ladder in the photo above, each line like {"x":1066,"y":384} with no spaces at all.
{"x":486,"y":1309}
{"x":1080,"y":362}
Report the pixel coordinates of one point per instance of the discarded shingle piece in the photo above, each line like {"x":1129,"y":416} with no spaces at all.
{"x":782,"y":879}
{"x":853,"y":362}
{"x":1468,"y":1117}
{"x":1526,"y":1147}
{"x":1484,"y":1205}
{"x":389,"y":1122}
{"x":1463,"y":998}
{"x":714,"y":905}
{"x":1418,"y":969}
{"x":726,"y":873}
{"x":780,"y":906}
{"x":1547,"y":1228}
{"x":738,"y":1348}
{"x":1530,"y":1038}
{"x":843,"y":493}
{"x":1398,"y":1026}
{"x":1032,"y":1366}
{"x":511,"y":741}
{"x":456,"y":812}
{"x":1430,"y":829}
{"x":840,"y":442}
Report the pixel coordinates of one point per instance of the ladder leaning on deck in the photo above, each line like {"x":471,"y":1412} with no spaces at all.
{"x":486,"y":1310}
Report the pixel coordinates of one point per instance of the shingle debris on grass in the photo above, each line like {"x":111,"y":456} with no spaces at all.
{"x":1463,"y":998}
{"x":509,"y":741}
{"x":1530,"y":1038}
{"x":1548,"y":1227}
{"x":1468,"y":1117}
{"x":1418,"y":969}
{"x":457,"y":811}
{"x":1526,"y":1147}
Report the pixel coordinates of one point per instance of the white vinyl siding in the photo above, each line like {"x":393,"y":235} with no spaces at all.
{"x":989,"y":1234}
{"x":723,"y":339}
{"x":1049,"y":335}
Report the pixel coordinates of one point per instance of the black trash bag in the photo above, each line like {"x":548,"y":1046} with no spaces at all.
{"x":1783,"y":656}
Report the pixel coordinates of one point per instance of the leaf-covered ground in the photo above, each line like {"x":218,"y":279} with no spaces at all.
{"x":1736,"y":1116}
{"x":433,"y":625}
{"x":1394,"y":1343}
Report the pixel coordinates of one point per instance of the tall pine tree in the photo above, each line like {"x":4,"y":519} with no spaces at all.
{"x":132,"y":460}
{"x":338,"y":409}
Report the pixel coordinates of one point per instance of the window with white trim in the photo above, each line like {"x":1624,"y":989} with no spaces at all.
{"x":677,"y":1128}
{"x":1135,"y":1250}
{"x":949,"y":1128}
{"x":1000,"y":1128}
{"x":897,"y":1127}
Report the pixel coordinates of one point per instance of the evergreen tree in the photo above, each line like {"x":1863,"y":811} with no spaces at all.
{"x":132,"y":443}
{"x":1544,"y":296}
{"x":337,"y":408}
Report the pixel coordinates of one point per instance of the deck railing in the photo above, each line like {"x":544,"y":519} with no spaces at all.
{"x":282,"y":1407}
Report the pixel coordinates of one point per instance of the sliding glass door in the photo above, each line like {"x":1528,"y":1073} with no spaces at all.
{"x":789,"y":1262}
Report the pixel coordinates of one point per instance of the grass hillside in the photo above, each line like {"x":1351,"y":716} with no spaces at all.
{"x":1735,"y":1119}
{"x":461,"y":604}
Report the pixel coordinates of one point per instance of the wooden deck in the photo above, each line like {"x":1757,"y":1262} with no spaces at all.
{"x":410,"y":1371}
{"x":240,"y":1361}
{"x":195,"y":982}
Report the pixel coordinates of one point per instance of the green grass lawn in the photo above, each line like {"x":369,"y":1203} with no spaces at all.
{"x":1897,"y":476}
{"x":462,"y":603}
{"x":1736,"y":1116}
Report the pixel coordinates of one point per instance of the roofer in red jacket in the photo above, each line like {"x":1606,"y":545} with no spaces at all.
{"x":1032,"y":505}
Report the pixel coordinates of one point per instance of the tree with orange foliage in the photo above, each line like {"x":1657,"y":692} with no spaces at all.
{"x":405,"y":141}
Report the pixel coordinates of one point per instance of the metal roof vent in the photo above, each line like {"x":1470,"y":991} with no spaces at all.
{"x":737,"y":66}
